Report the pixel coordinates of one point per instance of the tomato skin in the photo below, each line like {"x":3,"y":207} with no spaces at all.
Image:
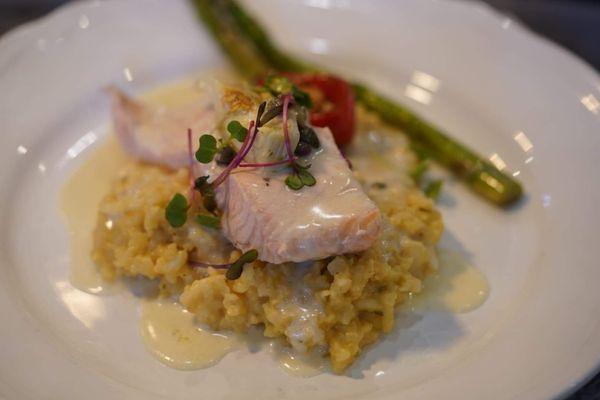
{"x":339,"y":117}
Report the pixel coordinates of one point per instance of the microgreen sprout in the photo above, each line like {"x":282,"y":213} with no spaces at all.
{"x":209,"y":221}
{"x":416,"y":173}
{"x":234,"y":269}
{"x":433,"y":189}
{"x":207,"y":149}
{"x":278,"y":85}
{"x":237,"y":267}
{"x":176,"y":211}
{"x":237,"y":131}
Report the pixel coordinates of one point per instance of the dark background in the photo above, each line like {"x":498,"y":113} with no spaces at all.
{"x":575,"y":24}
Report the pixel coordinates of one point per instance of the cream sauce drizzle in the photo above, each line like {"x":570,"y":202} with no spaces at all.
{"x":171,"y":336}
{"x":79,"y":201}
{"x":457,"y":287}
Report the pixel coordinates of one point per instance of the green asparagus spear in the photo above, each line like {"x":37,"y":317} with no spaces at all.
{"x":483,"y":177}
{"x":239,"y":50}
{"x":239,"y":35}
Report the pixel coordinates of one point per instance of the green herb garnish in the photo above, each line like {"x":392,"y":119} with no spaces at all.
{"x":300,"y":177}
{"x":294,"y":182}
{"x":237,"y":267}
{"x":273,"y":108}
{"x":176,"y":211}
{"x":306,"y":177}
{"x":301,"y":97}
{"x":209,"y":221}
{"x":433,"y":189}
{"x":416,"y":173}
{"x":308,"y":135}
{"x":278,"y":85}
{"x":207,"y":191}
{"x":237,"y":130}
{"x":207,"y":150}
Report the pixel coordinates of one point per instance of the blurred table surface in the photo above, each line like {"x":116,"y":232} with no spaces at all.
{"x":575,"y":24}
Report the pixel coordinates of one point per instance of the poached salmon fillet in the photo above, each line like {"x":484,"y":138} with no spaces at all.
{"x":259,"y":211}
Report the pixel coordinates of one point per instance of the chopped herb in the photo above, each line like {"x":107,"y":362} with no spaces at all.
{"x":418,"y":170}
{"x":273,"y":108}
{"x":302,"y":98}
{"x":260,"y":112}
{"x":201,"y":182}
{"x":294,"y":182}
{"x":209,"y":202}
{"x":237,"y":131}
{"x":302,"y":149}
{"x":237,"y":267}
{"x":278,"y":85}
{"x":207,"y":150}
{"x":379,"y":185}
{"x":208,"y":193}
{"x":433,"y":189}
{"x":306,"y":177}
{"x":225,"y":156}
{"x":308,"y":135}
{"x":209,"y":221}
{"x":176,"y":211}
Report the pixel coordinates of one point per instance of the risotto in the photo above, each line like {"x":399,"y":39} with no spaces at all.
{"x":337,"y":305}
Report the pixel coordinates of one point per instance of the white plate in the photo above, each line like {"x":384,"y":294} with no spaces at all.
{"x":537,"y":337}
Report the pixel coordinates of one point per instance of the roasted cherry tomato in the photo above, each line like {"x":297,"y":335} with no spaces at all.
{"x":333,"y":103}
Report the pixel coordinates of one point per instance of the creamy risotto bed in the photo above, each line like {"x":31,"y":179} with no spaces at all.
{"x":336,"y":306}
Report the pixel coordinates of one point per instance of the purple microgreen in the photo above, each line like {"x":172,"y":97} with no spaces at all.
{"x":207,"y":150}
{"x":191,"y":165}
{"x":237,"y":267}
{"x":234,"y":270}
{"x":237,"y":131}
{"x":347,"y":160}
{"x":268,"y":164}
{"x":238,"y":157}
{"x":200,"y":264}
{"x":176,"y":211}
{"x":209,"y":221}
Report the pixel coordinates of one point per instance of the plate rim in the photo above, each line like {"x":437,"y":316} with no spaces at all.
{"x":13,"y":36}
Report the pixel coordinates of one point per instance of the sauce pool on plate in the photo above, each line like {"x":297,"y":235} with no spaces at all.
{"x":457,"y":287}
{"x":170,"y":334}
{"x":79,"y":200}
